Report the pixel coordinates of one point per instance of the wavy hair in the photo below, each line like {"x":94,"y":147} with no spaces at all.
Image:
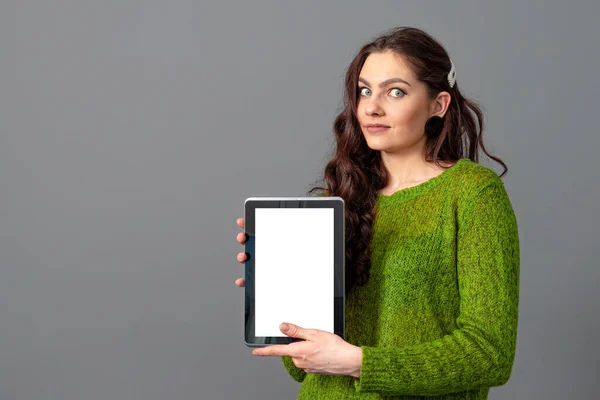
{"x":356,"y":172}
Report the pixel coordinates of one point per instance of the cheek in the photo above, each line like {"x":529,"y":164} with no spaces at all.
{"x":360,"y":111}
{"x":404,"y":113}
{"x":408,"y":117}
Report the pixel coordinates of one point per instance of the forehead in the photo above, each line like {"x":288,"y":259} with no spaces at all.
{"x":381,"y":66}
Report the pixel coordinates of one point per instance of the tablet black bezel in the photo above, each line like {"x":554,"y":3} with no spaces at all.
{"x":250,"y":206}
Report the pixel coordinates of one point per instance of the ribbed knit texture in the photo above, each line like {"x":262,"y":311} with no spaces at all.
{"x":438,"y":317}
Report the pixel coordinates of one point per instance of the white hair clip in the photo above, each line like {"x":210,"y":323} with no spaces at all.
{"x":452,"y":75}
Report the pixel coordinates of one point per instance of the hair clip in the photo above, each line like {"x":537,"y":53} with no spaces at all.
{"x":452,"y":75}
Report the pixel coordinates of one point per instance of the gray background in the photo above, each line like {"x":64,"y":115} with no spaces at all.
{"x":132,"y":132}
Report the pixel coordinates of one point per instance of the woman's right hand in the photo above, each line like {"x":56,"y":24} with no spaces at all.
{"x":241,"y":257}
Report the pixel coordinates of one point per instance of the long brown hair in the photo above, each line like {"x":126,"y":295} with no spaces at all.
{"x":356,"y":173}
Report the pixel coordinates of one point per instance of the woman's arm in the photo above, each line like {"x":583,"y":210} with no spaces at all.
{"x":481,"y":351}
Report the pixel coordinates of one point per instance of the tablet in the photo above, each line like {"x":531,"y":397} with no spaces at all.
{"x":294,"y":269}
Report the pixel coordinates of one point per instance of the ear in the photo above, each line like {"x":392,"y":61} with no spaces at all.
{"x":441,"y":104}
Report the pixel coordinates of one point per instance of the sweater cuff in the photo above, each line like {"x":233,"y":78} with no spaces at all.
{"x":297,"y":374}
{"x":374,"y":371}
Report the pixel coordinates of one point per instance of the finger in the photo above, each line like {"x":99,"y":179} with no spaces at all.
{"x":297,"y":332}
{"x":281,"y":350}
{"x":239,"y":282}
{"x":241,"y":257}
{"x":240,"y":222}
{"x":242,"y":237}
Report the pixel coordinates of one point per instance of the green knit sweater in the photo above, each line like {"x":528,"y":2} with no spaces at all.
{"x":438,"y":317}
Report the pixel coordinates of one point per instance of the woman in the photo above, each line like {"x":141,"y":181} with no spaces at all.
{"x":432,"y":245}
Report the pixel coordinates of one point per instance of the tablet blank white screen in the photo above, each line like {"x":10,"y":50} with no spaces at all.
{"x":294,"y":269}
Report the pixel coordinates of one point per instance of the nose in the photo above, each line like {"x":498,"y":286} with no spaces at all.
{"x":373,"y":107}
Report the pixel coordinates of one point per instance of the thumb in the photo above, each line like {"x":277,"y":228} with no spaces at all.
{"x":295,"y":331}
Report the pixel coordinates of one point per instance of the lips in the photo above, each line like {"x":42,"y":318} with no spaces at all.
{"x":376,"y":128}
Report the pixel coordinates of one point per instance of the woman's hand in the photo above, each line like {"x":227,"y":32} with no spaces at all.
{"x":241,"y":257}
{"x":321,"y":352}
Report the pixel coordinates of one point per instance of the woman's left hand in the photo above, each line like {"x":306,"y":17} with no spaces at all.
{"x":321,"y":352}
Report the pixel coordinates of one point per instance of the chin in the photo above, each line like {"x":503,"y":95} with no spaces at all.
{"x":380,"y":145}
{"x":378,"y":148}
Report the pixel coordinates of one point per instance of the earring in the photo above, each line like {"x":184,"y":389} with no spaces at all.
{"x":434,"y":126}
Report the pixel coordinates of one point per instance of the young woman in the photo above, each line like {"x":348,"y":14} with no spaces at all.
{"x":432,"y":248}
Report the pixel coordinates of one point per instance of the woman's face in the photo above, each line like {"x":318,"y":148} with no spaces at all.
{"x":390,"y":95}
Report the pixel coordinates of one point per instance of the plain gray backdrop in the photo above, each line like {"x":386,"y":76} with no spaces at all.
{"x":131,"y":132}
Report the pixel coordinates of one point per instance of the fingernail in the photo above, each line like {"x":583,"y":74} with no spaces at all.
{"x":285,"y":327}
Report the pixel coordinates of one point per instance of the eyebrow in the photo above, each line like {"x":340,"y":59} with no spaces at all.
{"x":384,"y":83}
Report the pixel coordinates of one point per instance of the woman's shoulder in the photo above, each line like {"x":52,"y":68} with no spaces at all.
{"x":470,"y":178}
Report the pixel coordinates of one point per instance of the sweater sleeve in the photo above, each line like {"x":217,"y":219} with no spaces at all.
{"x":480,"y":351}
{"x":298,"y":374}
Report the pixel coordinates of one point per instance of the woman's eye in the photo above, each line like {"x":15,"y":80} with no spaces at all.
{"x":363,"y":91}
{"x":397,"y":92}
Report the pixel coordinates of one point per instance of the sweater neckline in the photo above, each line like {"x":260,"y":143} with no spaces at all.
{"x":413,"y":191}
